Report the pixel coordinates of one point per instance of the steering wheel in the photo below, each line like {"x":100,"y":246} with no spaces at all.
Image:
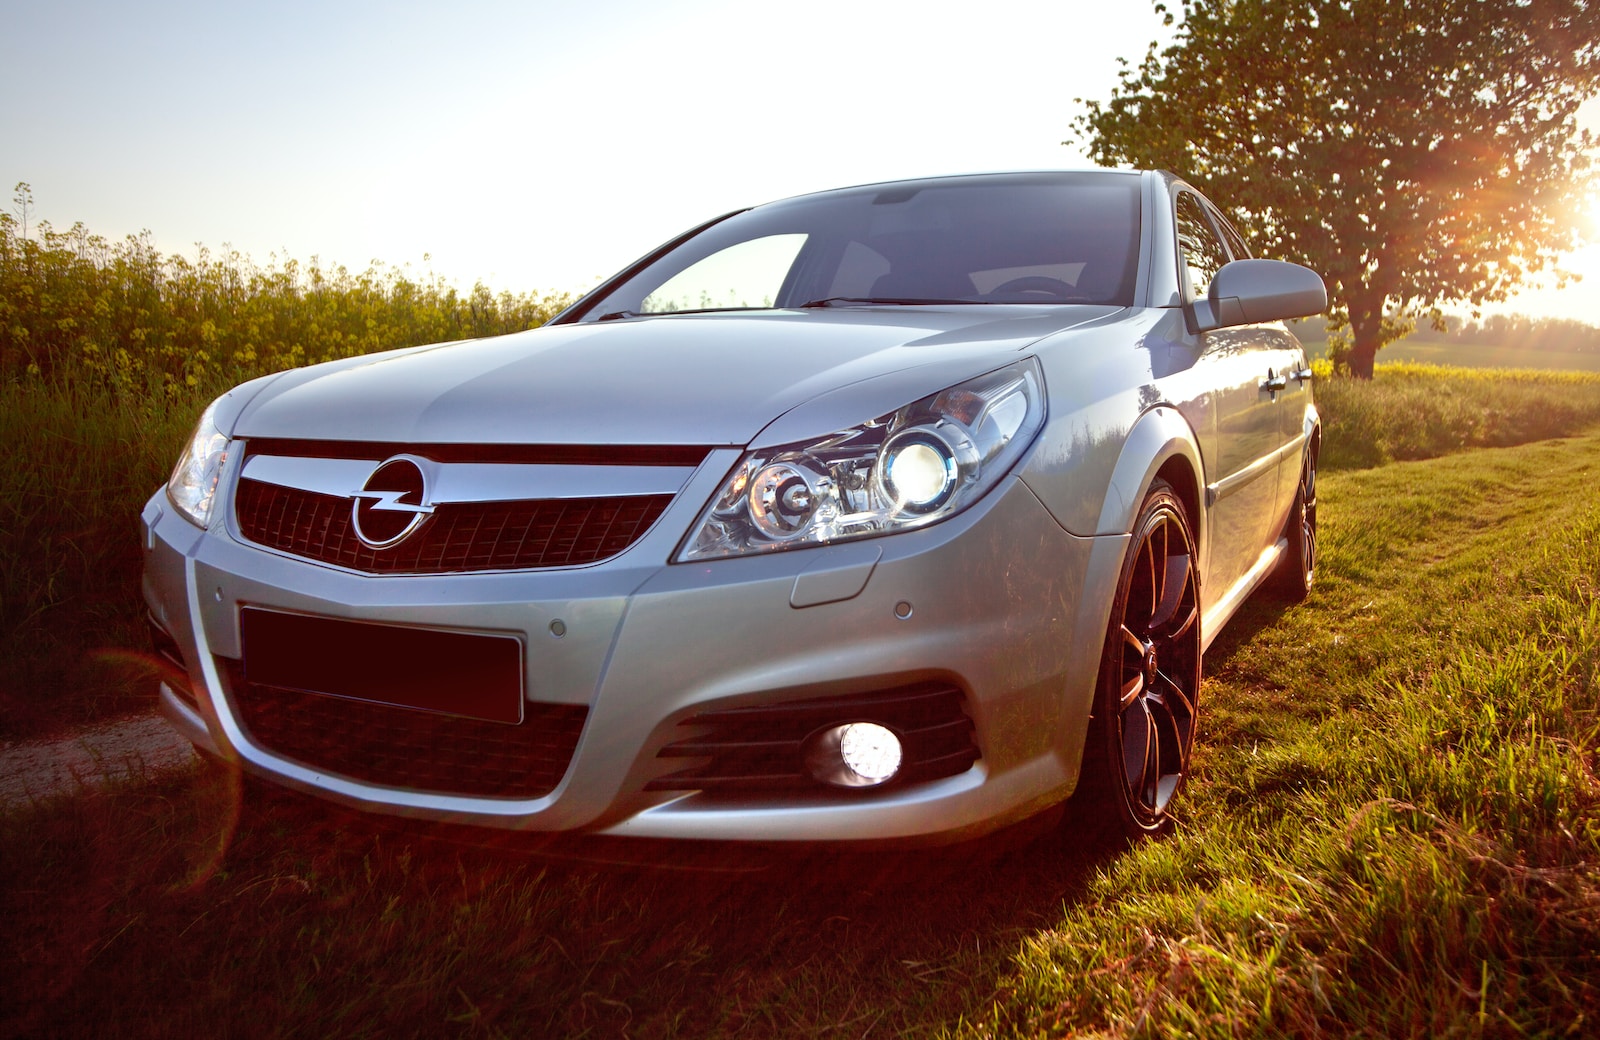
{"x":1038,"y":284}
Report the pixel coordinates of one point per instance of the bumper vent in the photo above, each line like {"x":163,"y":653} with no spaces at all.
{"x":476,"y":536}
{"x":416,"y":750}
{"x":759,"y":749}
{"x":173,"y":671}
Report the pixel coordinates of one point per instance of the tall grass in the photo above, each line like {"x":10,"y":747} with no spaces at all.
{"x":1417,"y":411}
{"x":76,"y":465}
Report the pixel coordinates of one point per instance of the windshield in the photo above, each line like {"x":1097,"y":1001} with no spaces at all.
{"x":1015,"y":238}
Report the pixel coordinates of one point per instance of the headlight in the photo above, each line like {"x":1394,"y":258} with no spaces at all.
{"x":912,"y":467}
{"x":193,"y":485}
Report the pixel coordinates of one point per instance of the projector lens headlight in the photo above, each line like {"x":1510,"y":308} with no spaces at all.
{"x":918,"y":470}
{"x":914,"y":466}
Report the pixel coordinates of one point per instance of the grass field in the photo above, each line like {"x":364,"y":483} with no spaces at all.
{"x":1416,"y":411}
{"x":1391,"y":831}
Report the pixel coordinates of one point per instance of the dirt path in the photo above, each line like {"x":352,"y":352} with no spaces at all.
{"x":34,"y":771}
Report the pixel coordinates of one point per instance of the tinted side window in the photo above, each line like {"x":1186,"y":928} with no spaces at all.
{"x":1202,"y":254}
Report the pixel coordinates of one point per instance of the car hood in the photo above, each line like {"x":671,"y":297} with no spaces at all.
{"x":706,"y":379}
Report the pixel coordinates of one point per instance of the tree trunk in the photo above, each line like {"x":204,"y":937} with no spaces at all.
{"x":1365,"y":330}
{"x":1363,"y":352}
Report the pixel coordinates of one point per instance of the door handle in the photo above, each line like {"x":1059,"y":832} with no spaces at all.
{"x":1275,"y":383}
{"x":1303,"y":375}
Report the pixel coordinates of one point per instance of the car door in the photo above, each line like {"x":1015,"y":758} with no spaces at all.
{"x":1290,"y":374}
{"x":1293,"y":402}
{"x":1242,"y":366}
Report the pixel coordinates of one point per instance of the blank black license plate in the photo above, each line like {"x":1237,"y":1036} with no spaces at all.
{"x":455,"y":673}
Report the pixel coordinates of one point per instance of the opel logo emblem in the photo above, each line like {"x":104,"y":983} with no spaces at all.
{"x":392,"y":503}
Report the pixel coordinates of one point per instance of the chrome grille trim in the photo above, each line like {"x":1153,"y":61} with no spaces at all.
{"x":518,"y":454}
{"x":474,"y":481}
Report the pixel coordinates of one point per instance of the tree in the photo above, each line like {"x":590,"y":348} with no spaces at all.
{"x":1411,"y":151}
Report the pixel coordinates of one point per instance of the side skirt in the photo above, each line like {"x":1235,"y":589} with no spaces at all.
{"x":1217,"y":616}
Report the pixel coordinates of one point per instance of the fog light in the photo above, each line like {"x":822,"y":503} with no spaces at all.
{"x":871,"y":751}
{"x":856,"y":754}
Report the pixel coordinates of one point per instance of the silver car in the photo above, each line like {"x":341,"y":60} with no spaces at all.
{"x":893,"y":514}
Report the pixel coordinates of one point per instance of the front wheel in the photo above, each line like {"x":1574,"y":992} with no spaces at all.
{"x":1145,"y":707}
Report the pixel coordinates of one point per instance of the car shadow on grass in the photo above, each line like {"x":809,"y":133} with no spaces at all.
{"x":666,"y":940}
{"x":1259,"y":612}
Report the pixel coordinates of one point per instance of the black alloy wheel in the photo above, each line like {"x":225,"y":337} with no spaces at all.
{"x":1150,"y":671}
{"x":1297,"y":570}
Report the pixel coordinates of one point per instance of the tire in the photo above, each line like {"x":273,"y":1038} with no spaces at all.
{"x":1146,"y":697}
{"x":1297,"y":570}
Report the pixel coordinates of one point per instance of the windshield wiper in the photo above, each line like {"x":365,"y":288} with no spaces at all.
{"x":893,"y":301}
{"x":615,"y":315}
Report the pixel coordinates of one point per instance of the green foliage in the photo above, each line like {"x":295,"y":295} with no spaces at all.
{"x":1410,"y":153}
{"x":1486,"y":355}
{"x":77,"y":309}
{"x":1499,"y":341}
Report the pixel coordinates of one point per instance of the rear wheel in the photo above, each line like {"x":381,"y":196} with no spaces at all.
{"x":1297,"y":570}
{"x":1145,"y":711}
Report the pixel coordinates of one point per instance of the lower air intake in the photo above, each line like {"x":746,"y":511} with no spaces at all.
{"x":415,"y":750}
{"x":761,"y":748}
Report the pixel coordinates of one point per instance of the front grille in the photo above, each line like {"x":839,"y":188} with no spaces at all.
{"x":760,"y":748}
{"x":462,"y":536}
{"x":416,"y":750}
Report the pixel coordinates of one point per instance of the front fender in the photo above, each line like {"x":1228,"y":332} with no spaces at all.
{"x":1158,"y":436}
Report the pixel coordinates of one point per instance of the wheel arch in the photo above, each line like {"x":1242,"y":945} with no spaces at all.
{"x":1162,"y":449}
{"x":1161,"y":444}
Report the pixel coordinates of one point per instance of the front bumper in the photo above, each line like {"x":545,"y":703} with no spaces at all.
{"x":1003,"y":604}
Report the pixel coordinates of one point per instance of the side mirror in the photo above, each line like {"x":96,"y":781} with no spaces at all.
{"x":1246,"y":292}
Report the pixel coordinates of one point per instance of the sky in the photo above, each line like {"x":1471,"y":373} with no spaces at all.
{"x":537,"y":145}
